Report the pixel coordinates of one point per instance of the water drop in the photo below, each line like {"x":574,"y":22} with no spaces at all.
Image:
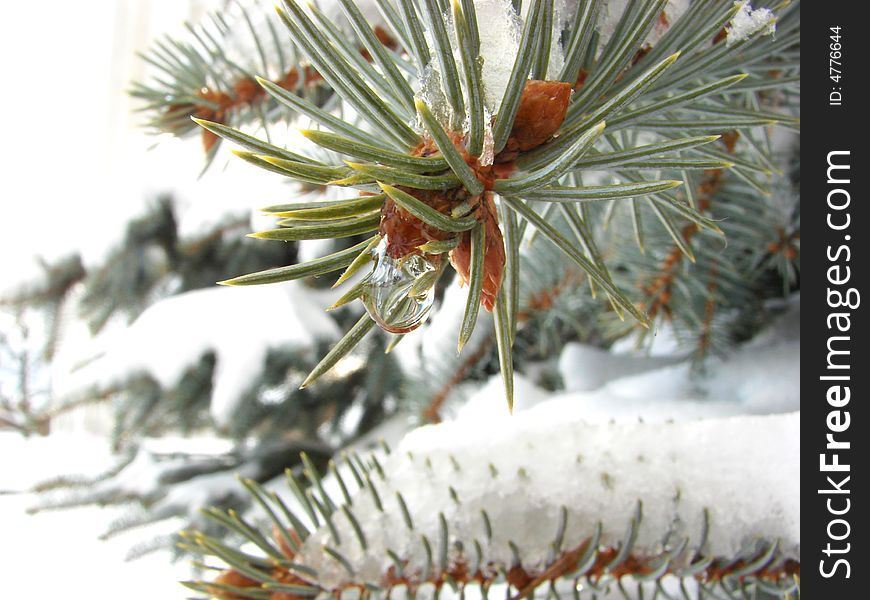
{"x":399,"y":292}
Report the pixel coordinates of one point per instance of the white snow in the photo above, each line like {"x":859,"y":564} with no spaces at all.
{"x":523,"y":470}
{"x":239,"y":324}
{"x":761,"y":377}
{"x":584,"y":367}
{"x":500,"y":31}
{"x":489,"y":401}
{"x":748,"y":21}
{"x":754,"y":380}
{"x":706,"y":460}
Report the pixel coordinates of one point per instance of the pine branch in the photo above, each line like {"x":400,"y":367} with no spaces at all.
{"x":599,"y":530}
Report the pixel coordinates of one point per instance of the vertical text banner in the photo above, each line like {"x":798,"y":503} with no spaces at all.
{"x":834,"y":255}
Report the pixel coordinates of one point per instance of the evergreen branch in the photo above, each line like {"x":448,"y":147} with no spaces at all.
{"x":388,"y":12}
{"x":250,"y":142}
{"x":679,"y":238}
{"x":598,"y":193}
{"x":359,"y":58}
{"x":605,"y":553}
{"x":629,"y":117}
{"x":512,"y":265}
{"x":579,"y":122}
{"x":581,"y":33}
{"x":631,"y":30}
{"x":720,"y":125}
{"x":419,"y":47}
{"x":469,"y":48}
{"x":377,"y":50}
{"x":637,"y":153}
{"x":623,"y":98}
{"x":362,"y":259}
{"x":314,"y":113}
{"x":319,"y":266}
{"x":347,"y":208}
{"x":541,"y":59}
{"x":343,"y":79}
{"x":400,"y":177}
{"x":351,"y":294}
{"x":504,"y":341}
{"x":307,"y":172}
{"x":312,"y":173}
{"x":678,"y":163}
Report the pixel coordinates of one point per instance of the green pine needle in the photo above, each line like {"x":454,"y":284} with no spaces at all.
{"x":318,"y":266}
{"x":340,"y":350}
{"x":475,"y":285}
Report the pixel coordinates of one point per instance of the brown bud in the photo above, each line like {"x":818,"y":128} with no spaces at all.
{"x":404,"y":232}
{"x":235,"y":579}
{"x":289,"y":81}
{"x":730,"y":138}
{"x":284,"y":576}
{"x":385,"y":38}
{"x":542,"y":109}
{"x":493,"y":259}
{"x":209,"y":139}
{"x":285,"y":548}
{"x":247,"y":90}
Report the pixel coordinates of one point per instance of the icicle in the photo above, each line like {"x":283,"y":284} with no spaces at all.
{"x":391,"y":297}
{"x":432,"y":94}
{"x":498,"y":47}
{"x":488,"y":153}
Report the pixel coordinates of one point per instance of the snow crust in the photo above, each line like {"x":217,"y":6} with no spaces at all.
{"x":741,"y":469}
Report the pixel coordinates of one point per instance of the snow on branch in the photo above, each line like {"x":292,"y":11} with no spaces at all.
{"x":532,"y":477}
{"x":172,"y":334}
{"x":748,"y":21}
{"x":527,"y":502}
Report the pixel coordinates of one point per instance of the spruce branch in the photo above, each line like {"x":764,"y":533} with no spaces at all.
{"x":601,"y":534}
{"x":452,"y":172}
